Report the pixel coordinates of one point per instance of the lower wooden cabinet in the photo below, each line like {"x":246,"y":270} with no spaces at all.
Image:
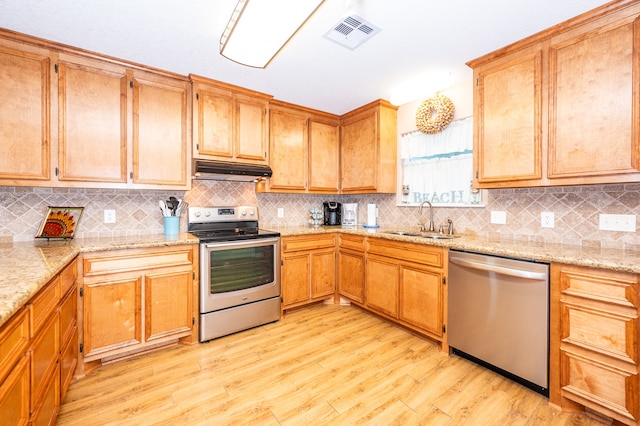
{"x":406,"y":282}
{"x":31,"y":380}
{"x":308,"y":272}
{"x":136,"y":299}
{"x":14,"y":394}
{"x":594,"y":347}
{"x":351,"y":267}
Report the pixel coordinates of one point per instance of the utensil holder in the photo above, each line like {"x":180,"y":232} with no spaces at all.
{"x":171,"y":225}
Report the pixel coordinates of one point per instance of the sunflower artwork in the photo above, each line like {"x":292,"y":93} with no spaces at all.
{"x":60,"y":222}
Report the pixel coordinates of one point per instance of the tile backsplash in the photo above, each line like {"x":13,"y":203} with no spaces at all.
{"x":576,"y":211}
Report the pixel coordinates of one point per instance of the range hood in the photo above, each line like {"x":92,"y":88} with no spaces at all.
{"x":228,"y":170}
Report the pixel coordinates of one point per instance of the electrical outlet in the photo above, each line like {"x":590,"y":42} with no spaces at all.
{"x":499,"y":217}
{"x":547,"y":220}
{"x":618,"y":222}
{"x":109,"y":216}
{"x":280,"y":212}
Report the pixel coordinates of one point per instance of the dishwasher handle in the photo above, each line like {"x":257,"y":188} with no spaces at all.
{"x":499,"y":269}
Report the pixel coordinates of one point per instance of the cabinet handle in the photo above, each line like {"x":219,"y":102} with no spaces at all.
{"x":55,"y":68}
{"x":131,"y":175}
{"x":131,"y":84}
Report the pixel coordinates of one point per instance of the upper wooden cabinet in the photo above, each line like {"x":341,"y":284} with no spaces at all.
{"x":25,"y":109}
{"x":368,"y":149}
{"x":74,"y":118}
{"x":229,"y":122}
{"x":304,"y":146}
{"x":562,"y":107}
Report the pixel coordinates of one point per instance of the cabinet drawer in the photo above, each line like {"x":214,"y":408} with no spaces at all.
{"x":45,"y":302}
{"x":352,"y":242}
{"x":135,"y":260}
{"x":14,"y":339}
{"x":418,"y":253}
{"x":68,"y":312}
{"x":604,"y":387}
{"x":617,"y":288}
{"x":14,"y":395}
{"x":602,"y":332}
{"x":308,"y":242}
{"x":68,"y":277}
{"x":46,"y":413}
{"x":45,"y":351}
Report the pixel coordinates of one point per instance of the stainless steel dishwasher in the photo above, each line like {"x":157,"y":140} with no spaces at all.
{"x":499,"y":315}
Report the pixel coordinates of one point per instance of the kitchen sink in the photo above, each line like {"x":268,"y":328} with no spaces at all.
{"x":433,"y":235}
{"x":407,"y":234}
{"x":438,"y":236}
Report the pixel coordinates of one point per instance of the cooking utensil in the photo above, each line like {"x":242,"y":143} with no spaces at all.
{"x":164,"y":208}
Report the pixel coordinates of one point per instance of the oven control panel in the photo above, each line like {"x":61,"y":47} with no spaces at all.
{"x":222,"y":214}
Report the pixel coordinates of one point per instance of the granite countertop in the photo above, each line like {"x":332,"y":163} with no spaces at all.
{"x":26,"y":267}
{"x":612,"y":259}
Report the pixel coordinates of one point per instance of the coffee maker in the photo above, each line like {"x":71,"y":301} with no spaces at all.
{"x":332,"y":213}
{"x":350,"y":214}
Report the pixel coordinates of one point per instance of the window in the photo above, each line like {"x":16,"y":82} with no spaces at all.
{"x":439,"y":168}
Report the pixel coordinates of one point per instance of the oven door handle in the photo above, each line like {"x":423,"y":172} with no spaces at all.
{"x":240,"y":243}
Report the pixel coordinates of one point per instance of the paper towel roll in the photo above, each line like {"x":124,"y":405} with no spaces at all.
{"x":372,"y":214}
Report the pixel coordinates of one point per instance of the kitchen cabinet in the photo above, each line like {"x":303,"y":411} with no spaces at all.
{"x":136,"y":299}
{"x":594,"y":341}
{"x":25,"y":110}
{"x":229,"y":122}
{"x":351,"y":262}
{"x":30,"y":375}
{"x":15,"y":369}
{"x":90,"y":121}
{"x":531,"y":103}
{"x":406,"y":283}
{"x":304,"y":149}
{"x":369,"y":149}
{"x":308,"y":271}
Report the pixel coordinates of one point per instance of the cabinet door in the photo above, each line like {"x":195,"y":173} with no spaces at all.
{"x":295,"y":276}
{"x":594,"y":102}
{"x":214,"y":118}
{"x":112,"y":317}
{"x":360,"y":153}
{"x":45,"y":351}
{"x":324,"y":157}
{"x":251,"y":129}
{"x":168,"y":304}
{"x":288,"y":148}
{"x":68,"y":362}
{"x":45,"y":413}
{"x":508,"y":102}
{"x":92,"y":121}
{"x":323,"y":273}
{"x":381,"y":286}
{"x":14,"y":395}
{"x":421,"y":298}
{"x":160,"y":131}
{"x":351,"y":275}
{"x":25,"y":112}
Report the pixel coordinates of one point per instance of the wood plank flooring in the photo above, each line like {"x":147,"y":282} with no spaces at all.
{"x":325,"y":364}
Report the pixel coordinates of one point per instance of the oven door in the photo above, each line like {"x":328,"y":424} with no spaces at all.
{"x":234,"y":273}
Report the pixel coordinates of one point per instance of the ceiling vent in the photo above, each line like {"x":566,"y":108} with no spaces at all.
{"x":351,"y":32}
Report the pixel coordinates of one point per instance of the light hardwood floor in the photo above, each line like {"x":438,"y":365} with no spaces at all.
{"x":325,"y":364}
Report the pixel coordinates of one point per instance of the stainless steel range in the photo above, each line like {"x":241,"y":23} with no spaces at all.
{"x":239,"y":270}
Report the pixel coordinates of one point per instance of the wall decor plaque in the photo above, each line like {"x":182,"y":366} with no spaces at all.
{"x":60,"y":222}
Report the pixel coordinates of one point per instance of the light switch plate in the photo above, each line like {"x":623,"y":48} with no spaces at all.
{"x":109,"y":216}
{"x":499,"y":217}
{"x":280,"y":212}
{"x":618,"y":222}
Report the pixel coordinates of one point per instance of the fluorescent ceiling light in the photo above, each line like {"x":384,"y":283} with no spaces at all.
{"x":421,"y":87}
{"x":259,"y":29}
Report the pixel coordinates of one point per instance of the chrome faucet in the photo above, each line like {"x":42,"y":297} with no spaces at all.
{"x":432,"y":228}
